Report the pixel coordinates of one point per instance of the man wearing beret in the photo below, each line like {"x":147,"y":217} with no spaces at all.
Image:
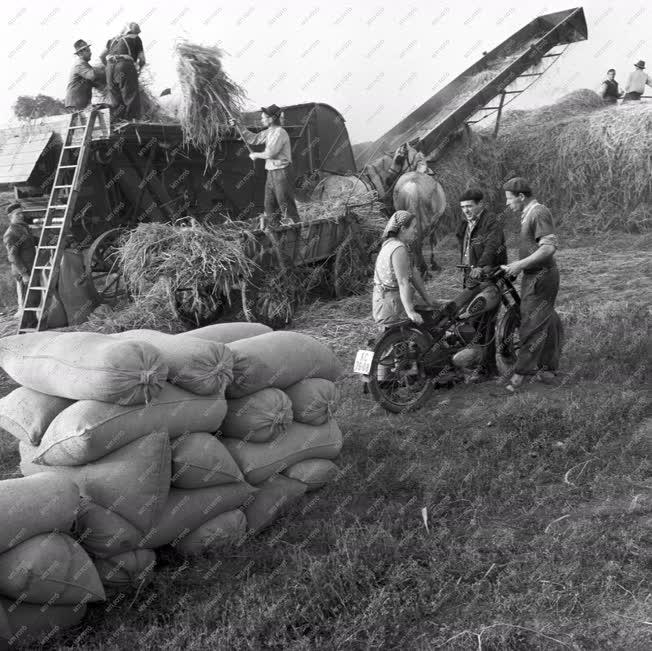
{"x":540,"y":331}
{"x":21,"y":251}
{"x":279,"y":185}
{"x":482,"y":249}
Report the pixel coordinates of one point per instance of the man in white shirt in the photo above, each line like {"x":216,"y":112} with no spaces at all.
{"x":279,"y":186}
{"x":636,"y":82}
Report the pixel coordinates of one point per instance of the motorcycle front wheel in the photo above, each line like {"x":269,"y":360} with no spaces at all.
{"x":507,"y":341}
{"x":398,"y":378}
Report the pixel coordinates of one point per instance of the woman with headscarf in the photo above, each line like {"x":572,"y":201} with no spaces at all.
{"x":396,"y":276}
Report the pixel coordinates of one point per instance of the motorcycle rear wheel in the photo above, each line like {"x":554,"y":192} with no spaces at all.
{"x":404,"y":384}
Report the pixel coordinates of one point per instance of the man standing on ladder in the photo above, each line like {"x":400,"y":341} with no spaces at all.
{"x":124,"y":58}
{"x":82,"y":78}
{"x":279,"y":185}
{"x":21,"y":252}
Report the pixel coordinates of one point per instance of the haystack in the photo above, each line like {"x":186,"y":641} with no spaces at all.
{"x":589,"y":163}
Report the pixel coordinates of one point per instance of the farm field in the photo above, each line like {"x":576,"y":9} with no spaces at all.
{"x":539,"y":505}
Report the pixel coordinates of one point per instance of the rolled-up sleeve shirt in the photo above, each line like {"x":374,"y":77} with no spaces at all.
{"x":637,"y":81}
{"x":470,"y":227}
{"x":278,"y":149}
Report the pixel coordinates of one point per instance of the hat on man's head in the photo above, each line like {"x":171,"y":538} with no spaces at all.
{"x":13,"y":206}
{"x":80,"y":45}
{"x":272,"y":110}
{"x":640,"y":64}
{"x":517,"y":184}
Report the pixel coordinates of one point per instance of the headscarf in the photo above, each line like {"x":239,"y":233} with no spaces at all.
{"x":396,"y":221}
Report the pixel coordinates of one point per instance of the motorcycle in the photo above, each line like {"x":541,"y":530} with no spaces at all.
{"x":409,"y":360}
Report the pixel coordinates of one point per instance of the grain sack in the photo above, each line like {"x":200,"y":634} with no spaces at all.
{"x":33,"y":505}
{"x":103,"y":533}
{"x":195,"y":364}
{"x":29,"y":621}
{"x":89,"y":429}
{"x":200,"y":460}
{"x":134,"y":480}
{"x":314,"y":400}
{"x":258,"y":461}
{"x":275,"y":496}
{"x":26,"y":414}
{"x":49,"y":568}
{"x":128,"y":568}
{"x":279,"y":359}
{"x":225,"y":333}
{"x":258,"y":417}
{"x":186,"y":510}
{"x":84,"y":366}
{"x":227,"y":528}
{"x":314,"y":473}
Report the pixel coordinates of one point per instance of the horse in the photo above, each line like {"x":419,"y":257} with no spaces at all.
{"x":402,"y":181}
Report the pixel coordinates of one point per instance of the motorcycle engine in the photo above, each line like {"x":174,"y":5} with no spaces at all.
{"x":486,"y":300}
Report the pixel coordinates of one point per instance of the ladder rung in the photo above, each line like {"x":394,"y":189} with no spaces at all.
{"x":31,"y":309}
{"x":531,"y":74}
{"x":44,"y":266}
{"x":72,"y":147}
{"x":47,"y":247}
{"x":67,"y":167}
{"x":58,"y":187}
{"x":62,"y":206}
{"x":59,"y":226}
{"x":512,"y":92}
{"x":545,"y":56}
{"x":37,"y":287}
{"x":80,"y":126}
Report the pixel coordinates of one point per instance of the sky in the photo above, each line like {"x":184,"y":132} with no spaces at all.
{"x":373,"y":61}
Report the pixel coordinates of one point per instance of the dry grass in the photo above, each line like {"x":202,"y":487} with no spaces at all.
{"x":209,"y":96}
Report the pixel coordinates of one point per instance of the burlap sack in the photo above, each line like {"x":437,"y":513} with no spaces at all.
{"x":103,"y":533}
{"x":26,"y":414}
{"x":84,"y":366}
{"x":30,"y":621}
{"x":225,"y":333}
{"x":314,"y":473}
{"x":258,"y":461}
{"x":279,"y":359}
{"x":89,"y":429}
{"x":314,"y":400}
{"x":200,"y":460}
{"x":49,"y":568}
{"x":33,"y":505}
{"x":258,"y":417}
{"x":222,"y":530}
{"x":276,"y":495}
{"x":128,"y":568}
{"x":134,"y":480}
{"x":197,"y":365}
{"x":186,"y":510}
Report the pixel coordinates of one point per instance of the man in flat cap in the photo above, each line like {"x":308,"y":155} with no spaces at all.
{"x":279,"y":185}
{"x":82,"y":78}
{"x":21,"y":252}
{"x":636,"y":82}
{"x":540,"y":332}
{"x":124,"y":58}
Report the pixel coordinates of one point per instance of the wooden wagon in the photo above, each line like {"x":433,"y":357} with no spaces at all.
{"x":105,"y":178}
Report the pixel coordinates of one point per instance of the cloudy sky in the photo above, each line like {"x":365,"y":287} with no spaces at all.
{"x":374,"y":61}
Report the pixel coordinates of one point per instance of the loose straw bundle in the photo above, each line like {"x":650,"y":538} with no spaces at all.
{"x":210,"y":96}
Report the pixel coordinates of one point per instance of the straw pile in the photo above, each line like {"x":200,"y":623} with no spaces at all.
{"x":589,"y":163}
{"x":196,"y":268}
{"x":209,"y":95}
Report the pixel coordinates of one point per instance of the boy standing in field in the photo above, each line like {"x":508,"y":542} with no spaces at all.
{"x":540,"y":331}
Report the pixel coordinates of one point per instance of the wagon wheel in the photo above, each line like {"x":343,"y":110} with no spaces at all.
{"x":351,"y":267}
{"x":101,"y":265}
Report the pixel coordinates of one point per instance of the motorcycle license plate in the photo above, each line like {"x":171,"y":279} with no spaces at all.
{"x":362,"y":362}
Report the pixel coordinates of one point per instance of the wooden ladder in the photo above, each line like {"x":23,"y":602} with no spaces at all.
{"x":68,"y":179}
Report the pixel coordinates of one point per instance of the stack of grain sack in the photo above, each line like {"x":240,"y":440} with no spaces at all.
{"x":193,"y":440}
